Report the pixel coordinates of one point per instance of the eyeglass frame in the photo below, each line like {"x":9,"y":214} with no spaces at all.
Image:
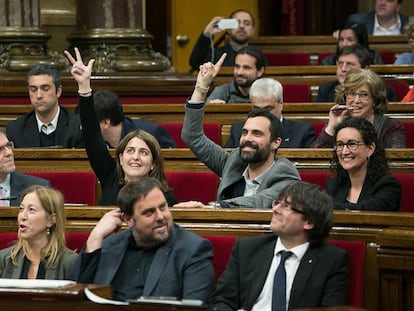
{"x":362,"y":96}
{"x":9,"y":145}
{"x":286,"y":206}
{"x":355,"y":145}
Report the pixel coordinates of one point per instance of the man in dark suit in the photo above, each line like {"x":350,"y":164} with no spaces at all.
{"x":115,"y":125}
{"x":49,"y":124}
{"x":153,"y":257}
{"x":13,"y":184}
{"x":268,"y":93}
{"x":385,"y":20}
{"x":316,"y":272}
{"x":349,"y":57}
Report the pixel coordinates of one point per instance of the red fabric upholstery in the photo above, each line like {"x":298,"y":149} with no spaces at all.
{"x":322,"y":56}
{"x":212,"y":130}
{"x":74,"y":240}
{"x":318,"y":126}
{"x":76,"y":187}
{"x":401,"y":88}
{"x":193,"y":186}
{"x":317,"y":178}
{"x":388,"y":57}
{"x":407,"y":193}
{"x":287,"y":59}
{"x":356,"y":252}
{"x":409,"y":133}
{"x":222,"y":247}
{"x":297,"y":93}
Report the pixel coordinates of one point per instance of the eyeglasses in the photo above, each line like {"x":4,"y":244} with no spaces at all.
{"x":351,"y":144}
{"x":9,"y":145}
{"x":352,"y":95}
{"x":286,"y":206}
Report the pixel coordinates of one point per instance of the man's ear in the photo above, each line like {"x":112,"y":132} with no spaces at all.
{"x":106,"y":123}
{"x":128,"y":220}
{"x":276,"y":143}
{"x":308,"y":225}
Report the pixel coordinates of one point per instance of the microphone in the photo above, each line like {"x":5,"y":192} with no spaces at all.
{"x":9,"y":198}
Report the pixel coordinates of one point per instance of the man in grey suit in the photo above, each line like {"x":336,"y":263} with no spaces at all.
{"x":316,"y":272}
{"x":153,"y":257}
{"x":267,"y":93}
{"x":49,"y":124}
{"x":13,"y":184}
{"x":385,"y":20}
{"x":251,"y":175}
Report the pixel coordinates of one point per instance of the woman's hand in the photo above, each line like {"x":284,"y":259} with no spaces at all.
{"x":80,"y":72}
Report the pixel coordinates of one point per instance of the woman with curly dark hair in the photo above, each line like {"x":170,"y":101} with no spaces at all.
{"x":361,"y":176}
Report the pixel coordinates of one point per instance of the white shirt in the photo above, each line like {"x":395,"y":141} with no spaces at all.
{"x":253,"y":184}
{"x":49,"y":128}
{"x":393,"y":30}
{"x":264,"y":301}
{"x":5,"y":191}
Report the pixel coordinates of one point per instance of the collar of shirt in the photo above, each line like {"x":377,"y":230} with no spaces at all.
{"x":298,"y":251}
{"x":51,"y":127}
{"x":382,"y":31}
{"x":253,"y":184}
{"x":5,"y":187}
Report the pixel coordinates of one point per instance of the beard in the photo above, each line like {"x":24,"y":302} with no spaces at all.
{"x":257,"y":156}
{"x":247,"y":83}
{"x":239,"y":40}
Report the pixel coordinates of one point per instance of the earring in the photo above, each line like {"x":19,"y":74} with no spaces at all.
{"x":47,"y":231}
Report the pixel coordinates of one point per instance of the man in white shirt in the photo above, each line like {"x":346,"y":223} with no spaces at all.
{"x":316,"y":272}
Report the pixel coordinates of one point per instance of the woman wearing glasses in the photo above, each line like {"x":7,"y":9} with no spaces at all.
{"x":361,"y":177}
{"x":362,"y":95}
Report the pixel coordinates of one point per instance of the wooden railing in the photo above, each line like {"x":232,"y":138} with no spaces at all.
{"x":389,"y":238}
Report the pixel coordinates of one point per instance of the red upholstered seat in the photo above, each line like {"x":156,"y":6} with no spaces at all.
{"x":407,"y":193}
{"x":356,"y":252}
{"x":76,"y":187}
{"x":409,"y":133}
{"x":401,"y":88}
{"x":7,"y":239}
{"x":222,"y":246}
{"x":318,"y":126}
{"x":193,"y":186}
{"x":388,"y":57}
{"x":212,"y":130}
{"x":296,"y":93}
{"x":317,"y":178}
{"x":287,"y":59}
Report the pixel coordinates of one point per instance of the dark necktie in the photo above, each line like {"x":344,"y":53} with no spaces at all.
{"x":279,"y":284}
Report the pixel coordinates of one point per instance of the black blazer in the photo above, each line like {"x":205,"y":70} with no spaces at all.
{"x":320,"y":281}
{"x":294,"y":134}
{"x":382,"y":195}
{"x":368,"y":19}
{"x":19,"y":182}
{"x":25,"y":133}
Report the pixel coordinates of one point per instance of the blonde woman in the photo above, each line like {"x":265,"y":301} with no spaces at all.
{"x":40,"y":251}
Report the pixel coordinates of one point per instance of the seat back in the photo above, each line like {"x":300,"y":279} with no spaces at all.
{"x":407,"y":193}
{"x":317,"y":178}
{"x":212,"y":131}
{"x":318,"y":126}
{"x":76,"y":187}
{"x":401,"y":88}
{"x":409,"y":133}
{"x":222,"y":247}
{"x":287,"y":59}
{"x":193,"y":186}
{"x":297,"y":93}
{"x":356,"y":252}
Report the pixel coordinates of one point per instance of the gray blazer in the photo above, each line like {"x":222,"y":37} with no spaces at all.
{"x":60,"y":272}
{"x":181,"y":268}
{"x":230,"y":167}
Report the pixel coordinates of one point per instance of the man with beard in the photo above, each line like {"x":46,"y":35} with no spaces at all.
{"x":49,"y":124}
{"x":13,"y":184}
{"x":295,"y":267}
{"x":153,"y":257}
{"x":236,"y":39}
{"x":249,"y":66}
{"x":251,"y":176}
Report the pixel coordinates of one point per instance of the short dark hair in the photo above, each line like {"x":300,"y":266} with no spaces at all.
{"x":253,"y":52}
{"x":377,"y":163}
{"x":108,"y":106}
{"x":45,"y":69}
{"x":359,"y":51}
{"x":134,"y":191}
{"x":275,"y":126}
{"x":242,"y":10}
{"x":317,"y":207}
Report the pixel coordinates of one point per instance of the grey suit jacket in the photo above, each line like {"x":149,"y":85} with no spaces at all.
{"x":25,"y":133}
{"x":230,"y":167}
{"x":321,"y":279}
{"x":368,"y":19}
{"x":19,"y":182}
{"x":60,"y":272}
{"x":181,"y":268}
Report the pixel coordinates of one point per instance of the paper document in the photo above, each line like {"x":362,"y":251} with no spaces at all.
{"x":97,"y":299}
